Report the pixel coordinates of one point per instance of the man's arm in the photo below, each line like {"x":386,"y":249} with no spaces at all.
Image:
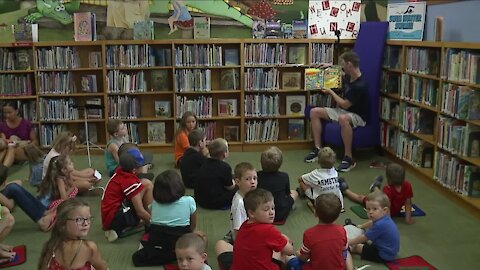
{"x":342,"y":103}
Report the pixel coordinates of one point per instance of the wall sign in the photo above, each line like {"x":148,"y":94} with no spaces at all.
{"x":406,"y":20}
{"x":325,"y":17}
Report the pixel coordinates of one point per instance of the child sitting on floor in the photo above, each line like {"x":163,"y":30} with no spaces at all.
{"x":172,"y":215}
{"x":67,"y":247}
{"x":193,"y":158}
{"x":191,"y":252}
{"x":187,"y":123}
{"x":398,"y":190}
{"x":271,"y":179}
{"x":118,"y":132}
{"x":321,"y":180}
{"x":214,"y":188}
{"x":381,"y":241}
{"x":126,"y":198}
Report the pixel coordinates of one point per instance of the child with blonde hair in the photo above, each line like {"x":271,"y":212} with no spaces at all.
{"x":277,"y":182}
{"x":118,"y":132}
{"x":191,"y":252}
{"x":321,"y":180}
{"x":67,"y":247}
{"x":64,"y":144}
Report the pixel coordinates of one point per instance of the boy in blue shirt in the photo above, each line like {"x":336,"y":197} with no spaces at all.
{"x":381,"y":232}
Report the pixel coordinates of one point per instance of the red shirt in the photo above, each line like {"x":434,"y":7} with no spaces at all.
{"x":254,"y":246}
{"x":398,"y":198}
{"x":327,"y":245}
{"x":123,"y":185}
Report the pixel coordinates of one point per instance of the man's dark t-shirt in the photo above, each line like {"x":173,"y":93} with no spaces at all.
{"x":357,"y":93}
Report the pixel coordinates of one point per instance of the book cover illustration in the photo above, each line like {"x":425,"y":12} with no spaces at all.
{"x":296,"y":129}
{"x":162,"y":108}
{"x":231,"y":57}
{"x":143,"y":30}
{"x":313,"y":79}
{"x":273,"y":29}
{"x":201,"y":27}
{"x":156,"y":132}
{"x":227,"y":107}
{"x":159,"y":80}
{"x":295,"y":105}
{"x":89,"y":83}
{"x":84,"y":26}
{"x":258,"y":29}
{"x":332,"y":77}
{"x":297,"y":55}
{"x":25,"y":32}
{"x":229,"y":79}
{"x":287,"y":29}
{"x":291,"y":80}
{"x":299,"y":28}
{"x":231,"y":133}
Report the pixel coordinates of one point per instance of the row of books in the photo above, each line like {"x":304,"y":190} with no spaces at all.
{"x":458,"y":137}
{"x":119,"y":56}
{"x":414,"y":151}
{"x":462,"y":66}
{"x":391,"y":82}
{"x":49,"y":133}
{"x":20,"y":59}
{"x":456,"y":175}
{"x":201,"y":106}
{"x":416,"y":120}
{"x":210,"y":130}
{"x":275,"y":29}
{"x":262,"y":105}
{"x":56,"y":83}
{"x":27,"y":109}
{"x":16,"y":85}
{"x":418,"y":89}
{"x":196,"y":80}
{"x":321,"y":53}
{"x":265,"y":54}
{"x":322,"y":100}
{"x":58,"y":58}
{"x":202,"y":55}
{"x":58,"y":109}
{"x":259,"y":79}
{"x":261,"y":131}
{"x":126,"y":82}
{"x":461,"y":102}
{"x":389,"y":109}
{"x":124,"y":107}
{"x":392,"y":57}
{"x":423,"y":60}
{"x":388,"y":136}
{"x":133,"y":136}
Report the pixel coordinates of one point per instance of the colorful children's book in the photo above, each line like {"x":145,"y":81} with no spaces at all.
{"x":313,"y":79}
{"x":296,"y":129}
{"x":299,"y":28}
{"x":143,"y":30}
{"x":84,"y":26}
{"x":156,"y":132}
{"x":162,"y":108}
{"x":201,"y":27}
{"x":258,"y":29}
{"x":332,"y":77}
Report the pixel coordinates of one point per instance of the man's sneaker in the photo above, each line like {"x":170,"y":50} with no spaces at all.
{"x":377,"y":183}
{"x":111,"y":235}
{"x":342,"y":184}
{"x":347,"y":164}
{"x":312,"y":156}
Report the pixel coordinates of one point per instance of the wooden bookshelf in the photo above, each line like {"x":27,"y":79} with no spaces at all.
{"x":440,"y":79}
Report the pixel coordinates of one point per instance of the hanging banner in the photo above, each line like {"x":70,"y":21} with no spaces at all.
{"x":326,"y":17}
{"x":406,"y":20}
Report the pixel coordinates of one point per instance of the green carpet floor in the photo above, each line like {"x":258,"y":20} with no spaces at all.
{"x":447,"y":237}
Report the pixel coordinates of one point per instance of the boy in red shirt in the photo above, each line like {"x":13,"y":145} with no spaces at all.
{"x":126,"y":197}
{"x":258,"y":241}
{"x":325,"y":246}
{"x":398,"y":190}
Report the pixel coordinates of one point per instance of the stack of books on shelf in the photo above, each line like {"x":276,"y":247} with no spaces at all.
{"x":49,"y":133}
{"x":322,"y":100}
{"x":388,"y":135}
{"x":392,"y":57}
{"x":198,"y":55}
{"x":58,"y":58}
{"x":459,"y":137}
{"x":133,"y":135}
{"x":121,"y":107}
{"x":423,"y":61}
{"x":462,"y":66}
{"x":261,"y":131}
{"x":209,"y":128}
{"x":265,"y":54}
{"x":262,"y":105}
{"x":258,"y":79}
{"x":58,"y":109}
{"x":126,"y":82}
{"x":120,"y":56}
{"x":196,"y":80}
{"x":417,"y":120}
{"x":414,"y":151}
{"x":389,"y":109}
{"x":16,"y":85}
{"x":456,"y":175}
{"x":231,"y":57}
{"x":322,"y":53}
{"x":461,"y":102}
{"x":421,"y":90}
{"x":56,"y":83}
{"x":201,"y":106}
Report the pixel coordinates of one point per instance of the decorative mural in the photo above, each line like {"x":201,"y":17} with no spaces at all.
{"x":172,"y":18}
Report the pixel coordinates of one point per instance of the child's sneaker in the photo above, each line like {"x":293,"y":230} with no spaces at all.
{"x":347,"y":164}
{"x":300,"y":192}
{"x":111,"y":235}
{"x":349,"y":222}
{"x":377,"y":183}
{"x":342,"y":184}
{"x":312,"y":156}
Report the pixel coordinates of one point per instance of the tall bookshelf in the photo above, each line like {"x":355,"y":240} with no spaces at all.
{"x":234,"y":86}
{"x":430,"y":112}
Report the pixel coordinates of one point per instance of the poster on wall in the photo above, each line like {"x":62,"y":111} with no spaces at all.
{"x":325,"y":17}
{"x":406,"y":20}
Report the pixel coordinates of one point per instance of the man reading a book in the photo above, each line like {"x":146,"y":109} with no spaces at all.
{"x":351,"y":110}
